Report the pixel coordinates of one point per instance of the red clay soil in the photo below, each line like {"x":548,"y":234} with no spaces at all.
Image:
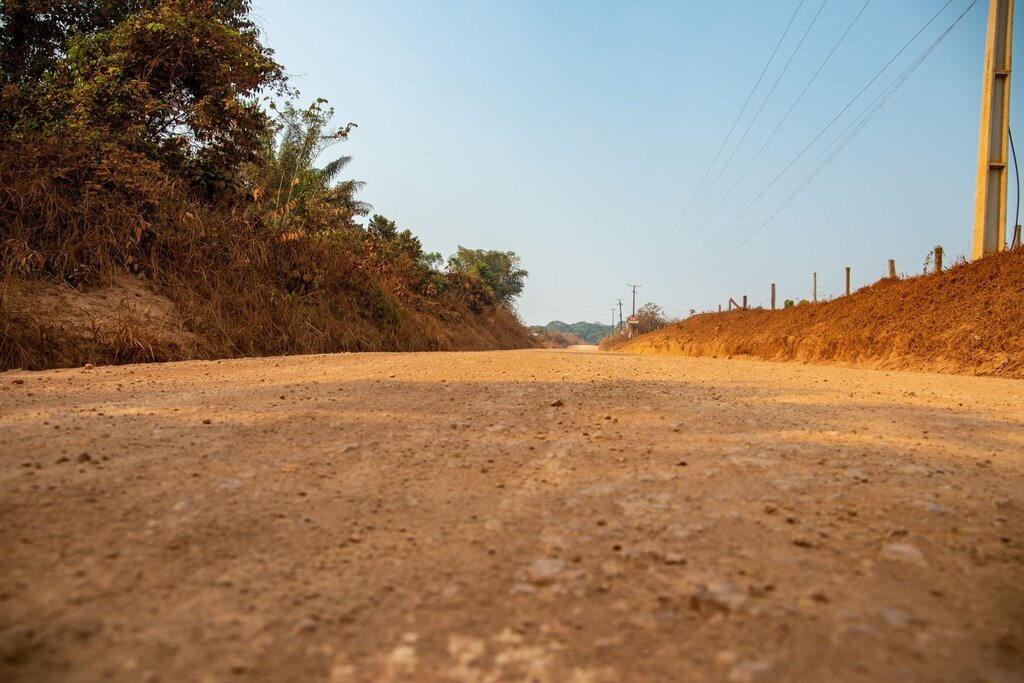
{"x":967,"y":320}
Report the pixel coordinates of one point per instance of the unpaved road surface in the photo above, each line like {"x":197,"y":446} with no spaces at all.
{"x":536,"y":515}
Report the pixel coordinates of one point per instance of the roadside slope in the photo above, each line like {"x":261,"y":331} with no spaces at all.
{"x":966,"y":320}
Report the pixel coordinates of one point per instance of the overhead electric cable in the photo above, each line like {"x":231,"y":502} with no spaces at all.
{"x":850,"y":132}
{"x":728,"y":135}
{"x":819,"y":134}
{"x":1016,"y":173}
{"x":750,"y":125}
{"x":785,"y":116}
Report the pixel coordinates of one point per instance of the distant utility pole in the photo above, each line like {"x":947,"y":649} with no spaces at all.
{"x":620,"y":311}
{"x":635,"y":287}
{"x":613,"y":318}
{"x":990,"y":193}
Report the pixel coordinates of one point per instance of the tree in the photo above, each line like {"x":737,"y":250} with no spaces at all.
{"x":652,"y":317}
{"x":289,"y":180}
{"x":499,"y":270}
{"x":177,"y":80}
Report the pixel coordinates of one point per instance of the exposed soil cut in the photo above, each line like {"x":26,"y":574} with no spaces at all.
{"x":966,"y":320}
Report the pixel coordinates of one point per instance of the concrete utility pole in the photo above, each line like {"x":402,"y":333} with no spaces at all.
{"x":635,"y":287}
{"x":620,"y":311}
{"x":990,"y":193}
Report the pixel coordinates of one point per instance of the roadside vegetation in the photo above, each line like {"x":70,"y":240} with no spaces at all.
{"x":650,"y":317}
{"x":587,"y":333}
{"x":142,"y":138}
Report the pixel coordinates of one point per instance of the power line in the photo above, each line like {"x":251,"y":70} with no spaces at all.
{"x":1016,"y":173}
{"x":817,"y":137}
{"x":785,"y":116}
{"x":566,"y":308}
{"x":853,"y":129}
{"x":746,"y":132}
{"x":728,"y":135}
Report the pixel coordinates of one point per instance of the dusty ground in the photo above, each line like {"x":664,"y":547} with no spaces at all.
{"x":533,"y":515}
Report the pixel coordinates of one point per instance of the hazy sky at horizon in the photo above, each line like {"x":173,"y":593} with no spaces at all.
{"x":575,"y":133}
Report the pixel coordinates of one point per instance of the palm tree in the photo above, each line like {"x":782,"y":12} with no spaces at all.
{"x":295,"y":184}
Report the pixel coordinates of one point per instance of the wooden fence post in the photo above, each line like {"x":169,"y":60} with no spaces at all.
{"x":892,"y":269}
{"x":847,"y":280}
{"x":773,"y":296}
{"x":744,"y":302}
{"x":938,"y":259}
{"x":814,"y":287}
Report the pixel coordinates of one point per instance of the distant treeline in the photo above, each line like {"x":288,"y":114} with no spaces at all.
{"x":590,"y":333}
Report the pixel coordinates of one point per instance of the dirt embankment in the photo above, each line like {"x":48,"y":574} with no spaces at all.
{"x":966,"y":320}
{"x":45,"y":324}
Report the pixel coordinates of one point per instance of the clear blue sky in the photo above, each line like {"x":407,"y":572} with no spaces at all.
{"x":575,"y":133}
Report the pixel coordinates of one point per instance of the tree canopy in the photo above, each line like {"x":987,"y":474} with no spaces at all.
{"x":499,"y":270}
{"x":177,"y":80}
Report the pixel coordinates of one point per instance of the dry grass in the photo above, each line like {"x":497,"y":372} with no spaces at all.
{"x":73,"y":217}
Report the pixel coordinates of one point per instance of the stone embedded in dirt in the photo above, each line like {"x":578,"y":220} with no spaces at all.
{"x":207,"y":421}
{"x":465,"y":649}
{"x":349,"y":447}
{"x":522,"y":589}
{"x":402,"y":661}
{"x":716,"y":595}
{"x":84,"y":457}
{"x":896,"y":618}
{"x":306,"y":626}
{"x":18,"y":381}
{"x":935,"y":508}
{"x":611,"y":568}
{"x":673,"y":558}
{"x":904,"y":554}
{"x":557,"y":403}
{"x":857,"y":475}
{"x":750,"y":672}
{"x":545,"y":570}
{"x":229,"y":484}
{"x":88,"y":366}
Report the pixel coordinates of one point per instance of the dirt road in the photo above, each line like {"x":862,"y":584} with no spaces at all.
{"x":536,"y":515}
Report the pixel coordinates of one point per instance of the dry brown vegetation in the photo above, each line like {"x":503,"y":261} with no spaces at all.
{"x":966,"y":320}
{"x":211,"y":280}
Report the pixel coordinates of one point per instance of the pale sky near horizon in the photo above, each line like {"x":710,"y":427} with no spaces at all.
{"x":576,"y":132}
